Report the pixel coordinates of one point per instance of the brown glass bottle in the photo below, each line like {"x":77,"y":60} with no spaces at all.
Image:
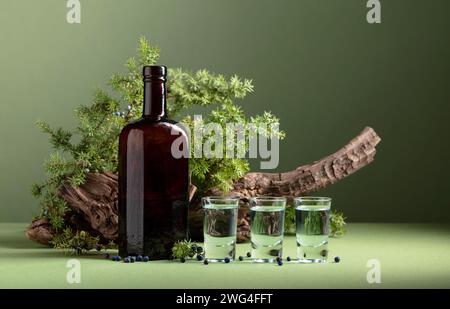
{"x":153,"y":184}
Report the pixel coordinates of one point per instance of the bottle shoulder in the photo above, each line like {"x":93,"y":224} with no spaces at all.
{"x":145,"y":124}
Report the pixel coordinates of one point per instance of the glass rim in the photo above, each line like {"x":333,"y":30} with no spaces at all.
{"x":313,"y":199}
{"x":269,"y":198}
{"x":221,"y":199}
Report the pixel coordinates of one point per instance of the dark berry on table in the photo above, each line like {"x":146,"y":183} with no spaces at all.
{"x":132,"y":259}
{"x":145,"y":258}
{"x":139,"y":258}
{"x":337,"y":259}
{"x":249,"y":254}
{"x":199,"y":249}
{"x":288,"y":259}
{"x":126,"y":260}
{"x":182,"y":260}
{"x":194,"y":247}
{"x":278,"y":259}
{"x":118,"y":258}
{"x":206,"y":262}
{"x":227,"y":260}
{"x":113,"y":258}
{"x":280,"y":263}
{"x":241,"y":258}
{"x":199,"y":257}
{"x":304,"y":255}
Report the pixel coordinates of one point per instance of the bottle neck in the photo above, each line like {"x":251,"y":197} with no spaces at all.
{"x":154,"y":99}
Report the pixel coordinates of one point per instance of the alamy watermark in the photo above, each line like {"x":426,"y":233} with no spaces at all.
{"x":74,"y":273}
{"x":374,"y":14}
{"x":234,"y":140}
{"x":73,"y":16}
{"x":374,"y":273}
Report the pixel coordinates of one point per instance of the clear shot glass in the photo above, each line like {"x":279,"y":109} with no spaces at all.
{"x":312,"y":216}
{"x":219,"y":227}
{"x":267,"y":228}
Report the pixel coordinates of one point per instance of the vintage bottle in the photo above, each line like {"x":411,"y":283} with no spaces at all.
{"x":153,"y":182}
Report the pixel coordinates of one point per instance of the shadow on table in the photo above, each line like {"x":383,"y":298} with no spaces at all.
{"x":15,"y":245}
{"x":18,"y":240}
{"x":50,"y":254}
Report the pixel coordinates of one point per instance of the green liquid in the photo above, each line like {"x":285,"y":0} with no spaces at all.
{"x":267,"y":229}
{"x":312,"y":233}
{"x":219,"y":231}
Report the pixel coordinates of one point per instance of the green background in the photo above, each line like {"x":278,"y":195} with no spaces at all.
{"x":318,"y":65}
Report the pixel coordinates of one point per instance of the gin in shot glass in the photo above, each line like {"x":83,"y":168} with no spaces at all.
{"x":219,"y":227}
{"x":312,"y":228}
{"x":267,"y":228}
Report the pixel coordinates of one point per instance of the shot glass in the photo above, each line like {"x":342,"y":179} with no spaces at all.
{"x":219,"y":227}
{"x":312,"y":228}
{"x":267,"y":228}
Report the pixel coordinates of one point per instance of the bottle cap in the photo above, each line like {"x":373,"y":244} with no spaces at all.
{"x":155,"y":72}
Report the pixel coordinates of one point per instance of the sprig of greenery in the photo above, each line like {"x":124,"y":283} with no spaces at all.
{"x":78,"y":242}
{"x":313,"y":223}
{"x":183,"y":249}
{"x":289,"y":220}
{"x":337,"y":224}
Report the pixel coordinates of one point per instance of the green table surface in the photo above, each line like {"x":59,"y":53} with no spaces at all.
{"x":410,"y":255}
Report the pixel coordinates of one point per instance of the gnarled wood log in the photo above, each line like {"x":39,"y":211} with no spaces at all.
{"x":96,"y":202}
{"x":40,"y":231}
{"x":359,"y":152}
{"x":93,"y":205}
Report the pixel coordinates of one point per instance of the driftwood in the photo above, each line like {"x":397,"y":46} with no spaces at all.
{"x":96,"y":200}
{"x":40,"y":231}
{"x":93,"y":205}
